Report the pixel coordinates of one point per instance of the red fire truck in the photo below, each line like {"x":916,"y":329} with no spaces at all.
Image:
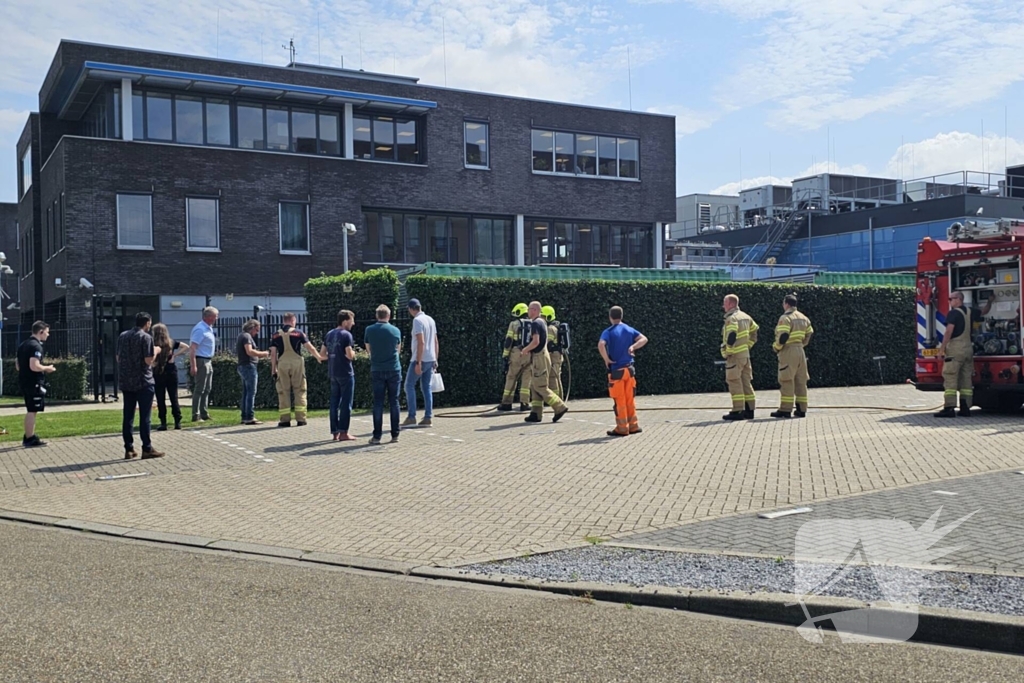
{"x":982,"y":260}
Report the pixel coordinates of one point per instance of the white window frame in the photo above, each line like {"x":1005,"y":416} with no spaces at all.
{"x":188,"y":226}
{"x":280,"y":231}
{"x":487,"y":146}
{"x":132,"y":247}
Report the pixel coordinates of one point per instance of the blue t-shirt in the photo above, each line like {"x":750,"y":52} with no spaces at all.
{"x":338,"y":364}
{"x":618,"y":339}
{"x":383,"y":339}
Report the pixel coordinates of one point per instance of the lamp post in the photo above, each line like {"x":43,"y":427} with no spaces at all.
{"x":347,"y":229}
{"x":4,"y":270}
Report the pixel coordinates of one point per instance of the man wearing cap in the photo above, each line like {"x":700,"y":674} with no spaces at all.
{"x":422,"y":364}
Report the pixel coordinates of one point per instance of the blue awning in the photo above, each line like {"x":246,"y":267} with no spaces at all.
{"x":95,"y":74}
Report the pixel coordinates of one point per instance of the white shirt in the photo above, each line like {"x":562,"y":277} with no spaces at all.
{"x":424,"y":324}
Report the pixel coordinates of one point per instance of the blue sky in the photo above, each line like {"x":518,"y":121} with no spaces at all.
{"x":760,"y":88}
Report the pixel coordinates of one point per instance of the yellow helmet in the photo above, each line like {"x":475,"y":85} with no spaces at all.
{"x":548,"y":312}
{"x":519,"y":310}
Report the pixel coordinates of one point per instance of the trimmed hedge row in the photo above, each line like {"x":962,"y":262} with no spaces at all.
{"x":326,"y":295}
{"x":68,"y":383}
{"x":683,"y":322}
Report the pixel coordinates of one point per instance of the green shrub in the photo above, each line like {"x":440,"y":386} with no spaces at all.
{"x":326,"y":295}
{"x":683,"y":321}
{"x":68,"y":383}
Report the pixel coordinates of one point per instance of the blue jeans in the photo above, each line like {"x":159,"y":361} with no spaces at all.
{"x":385,"y":382}
{"x":424,"y":381}
{"x":143,"y":398}
{"x":342,"y":389}
{"x":249,"y":379}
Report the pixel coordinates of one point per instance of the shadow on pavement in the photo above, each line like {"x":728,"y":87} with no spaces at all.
{"x":977,"y":421}
{"x":76,"y":467}
{"x":595,"y":440}
{"x":295,"y":447}
{"x":501,"y":428}
{"x":343,"y":450}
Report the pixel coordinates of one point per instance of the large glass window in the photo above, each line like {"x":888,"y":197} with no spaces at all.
{"x":583,"y":244}
{"x":362,"y":138}
{"x":561,"y":243}
{"x":641,"y":247}
{"x":26,"y":171}
{"x":543,"y":148}
{"x":277,"y":129}
{"x":398,"y":238}
{"x":619,"y":244}
{"x":202,"y":224}
{"x":218,"y":122}
{"x":158,"y":117}
{"x":304,"y":132}
{"x":408,"y":150}
{"x":384,"y":138}
{"x":602,"y":238}
{"x":330,"y":139}
{"x":476,"y":137}
{"x":134,"y":221}
{"x":586,"y":154}
{"x":629,"y":158}
{"x":294,"y":224}
{"x":188,"y":118}
{"x":250,"y":127}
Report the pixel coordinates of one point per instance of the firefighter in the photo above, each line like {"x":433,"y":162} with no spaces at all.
{"x":288,"y":368}
{"x":739,"y":334}
{"x":792,"y":334}
{"x":539,"y":365}
{"x":957,"y":352}
{"x":515,"y":363}
{"x":617,"y":346}
{"x":555,"y":351}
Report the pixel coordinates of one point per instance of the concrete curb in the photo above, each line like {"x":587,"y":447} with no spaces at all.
{"x":956,"y":628}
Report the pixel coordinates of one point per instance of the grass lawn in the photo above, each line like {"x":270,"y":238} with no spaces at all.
{"x":88,"y":422}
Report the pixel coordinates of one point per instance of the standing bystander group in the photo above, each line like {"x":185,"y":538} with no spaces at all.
{"x":339,"y":351}
{"x":248,"y":355}
{"x":30,"y":375}
{"x":202,"y":345}
{"x":422,"y":364}
{"x":165,"y":375}
{"x":383,"y":341}
{"x":135,"y":356}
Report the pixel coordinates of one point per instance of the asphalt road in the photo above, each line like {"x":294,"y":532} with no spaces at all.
{"x":84,"y":608}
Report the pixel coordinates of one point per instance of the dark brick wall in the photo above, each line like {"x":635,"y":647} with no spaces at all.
{"x":28,"y":213}
{"x":9,"y":234}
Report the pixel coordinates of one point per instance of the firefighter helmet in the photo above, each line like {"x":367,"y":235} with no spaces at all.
{"x":519,"y":310}
{"x":548,"y":312}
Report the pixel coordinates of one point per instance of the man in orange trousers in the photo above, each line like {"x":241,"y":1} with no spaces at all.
{"x":617,"y":346}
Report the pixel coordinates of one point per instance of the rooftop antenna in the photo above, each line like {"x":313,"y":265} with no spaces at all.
{"x":771,"y":179}
{"x":629,"y":76}
{"x":319,"y":57}
{"x":218,"y":32}
{"x":983,"y":145}
{"x":360,"y":50}
{"x":828,"y":149}
{"x":261,"y":48}
{"x":444,"y":52}
{"x":291,"y":49}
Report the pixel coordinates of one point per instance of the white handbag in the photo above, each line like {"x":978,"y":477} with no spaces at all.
{"x":436,"y":383}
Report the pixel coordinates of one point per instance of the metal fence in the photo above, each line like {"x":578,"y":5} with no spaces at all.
{"x":228,"y":329}
{"x":63,"y":341}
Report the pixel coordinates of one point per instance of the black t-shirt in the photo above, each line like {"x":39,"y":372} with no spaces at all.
{"x":957,"y":320}
{"x":295,"y":337}
{"x":243,"y":357}
{"x":30,"y":348}
{"x":539,"y":330}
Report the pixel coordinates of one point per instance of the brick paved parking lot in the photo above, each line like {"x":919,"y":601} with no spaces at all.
{"x":483,"y":487}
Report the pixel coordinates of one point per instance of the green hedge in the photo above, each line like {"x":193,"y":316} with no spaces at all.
{"x":326,"y":295}
{"x":68,"y":383}
{"x":227,"y":384}
{"x":683,"y":322}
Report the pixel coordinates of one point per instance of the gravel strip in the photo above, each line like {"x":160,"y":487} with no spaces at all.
{"x":955,"y":590}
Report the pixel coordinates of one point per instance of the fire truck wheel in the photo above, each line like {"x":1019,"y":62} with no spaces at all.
{"x":998,"y":402}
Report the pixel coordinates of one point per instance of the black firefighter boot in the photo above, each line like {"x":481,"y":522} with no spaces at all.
{"x":733,"y":415}
{"x":784,"y":414}
{"x":748,"y":412}
{"x":948,"y":411}
{"x":965,"y":408}
{"x":799,"y":413}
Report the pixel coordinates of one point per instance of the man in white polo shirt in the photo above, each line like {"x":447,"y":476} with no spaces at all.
{"x":422,"y":365}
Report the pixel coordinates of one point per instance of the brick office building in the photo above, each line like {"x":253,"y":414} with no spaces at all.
{"x":166,"y":179}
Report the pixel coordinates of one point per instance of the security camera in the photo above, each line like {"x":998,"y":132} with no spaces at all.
{"x":84,"y":284}
{"x":350,"y":229}
{"x":3,"y":257}
{"x":12,"y":307}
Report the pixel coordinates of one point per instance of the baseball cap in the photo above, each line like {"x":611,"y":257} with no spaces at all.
{"x":415,"y":304}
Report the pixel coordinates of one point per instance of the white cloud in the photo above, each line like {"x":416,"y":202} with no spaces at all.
{"x":824,"y":61}
{"x":946,"y":154}
{"x":688,"y":121}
